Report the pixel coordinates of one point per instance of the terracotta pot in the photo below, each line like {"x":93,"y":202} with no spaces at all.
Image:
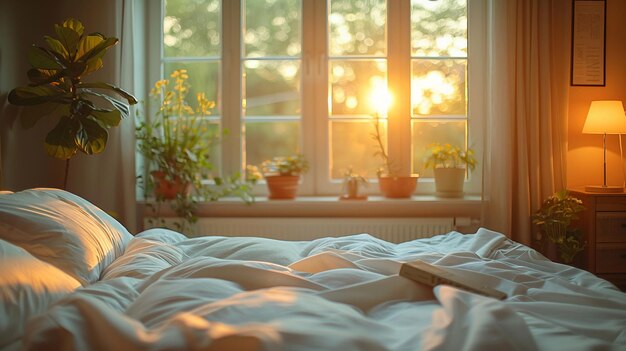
{"x":168,"y":189}
{"x":449,"y":181}
{"x":397,"y":187}
{"x":282,"y":187}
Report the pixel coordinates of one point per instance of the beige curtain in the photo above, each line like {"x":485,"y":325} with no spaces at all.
{"x":109,"y":179}
{"x":525,"y":151}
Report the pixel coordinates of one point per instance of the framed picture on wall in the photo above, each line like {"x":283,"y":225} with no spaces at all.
{"x":588,"y":64}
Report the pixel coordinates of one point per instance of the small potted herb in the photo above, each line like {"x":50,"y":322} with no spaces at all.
{"x":392,"y":185}
{"x":282,"y":175}
{"x":450,"y":165}
{"x":351,"y":183}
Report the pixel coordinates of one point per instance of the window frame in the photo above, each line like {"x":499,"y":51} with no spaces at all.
{"x":315,"y":90}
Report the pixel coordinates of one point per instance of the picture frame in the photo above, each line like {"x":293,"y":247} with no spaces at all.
{"x":588,"y":52}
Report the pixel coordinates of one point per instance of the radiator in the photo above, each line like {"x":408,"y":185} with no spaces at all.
{"x":391,"y":229}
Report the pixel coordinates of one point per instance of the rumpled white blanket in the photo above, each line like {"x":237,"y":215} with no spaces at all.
{"x":167,"y":292}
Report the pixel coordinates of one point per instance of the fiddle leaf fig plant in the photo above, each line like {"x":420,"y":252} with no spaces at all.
{"x":84,"y":110}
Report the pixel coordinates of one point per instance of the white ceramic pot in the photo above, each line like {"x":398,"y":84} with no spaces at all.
{"x":449,"y":181}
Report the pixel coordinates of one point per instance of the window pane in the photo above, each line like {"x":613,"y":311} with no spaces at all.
{"x":192,"y":28}
{"x":216,"y":148}
{"x":439,"y":28}
{"x":438,"y":87}
{"x":426,"y":133}
{"x":203,"y":77}
{"x":272,"y":28}
{"x":355,"y":84}
{"x":358,"y":27}
{"x":352,"y":146}
{"x":271,"y":88}
{"x":265,"y":140}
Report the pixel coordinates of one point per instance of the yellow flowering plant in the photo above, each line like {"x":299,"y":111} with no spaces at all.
{"x":449,"y":156}
{"x":177,"y":145}
{"x":178,"y":141}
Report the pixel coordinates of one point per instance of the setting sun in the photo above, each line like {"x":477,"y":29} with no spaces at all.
{"x":380,"y":97}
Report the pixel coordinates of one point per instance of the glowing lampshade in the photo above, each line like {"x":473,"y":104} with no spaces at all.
{"x":605,"y":117}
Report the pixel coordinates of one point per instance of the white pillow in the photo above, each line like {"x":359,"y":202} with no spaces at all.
{"x":64,"y":230}
{"x":27,"y":287}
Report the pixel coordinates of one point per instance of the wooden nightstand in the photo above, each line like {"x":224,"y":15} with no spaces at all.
{"x":604,"y":225}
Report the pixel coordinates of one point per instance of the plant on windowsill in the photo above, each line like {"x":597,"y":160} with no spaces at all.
{"x":450,"y":164}
{"x":390,"y":183}
{"x":351,"y":183}
{"x":177,"y":144}
{"x":282,"y":175}
{"x":554,"y":219}
{"x":57,"y":89}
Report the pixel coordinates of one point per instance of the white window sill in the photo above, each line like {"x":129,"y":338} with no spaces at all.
{"x":468,"y":206}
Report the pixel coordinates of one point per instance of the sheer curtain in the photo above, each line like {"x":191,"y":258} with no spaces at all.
{"x":525,"y":151}
{"x":108,"y":179}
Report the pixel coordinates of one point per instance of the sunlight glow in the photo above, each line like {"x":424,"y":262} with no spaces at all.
{"x":380,"y":97}
{"x":431,"y":89}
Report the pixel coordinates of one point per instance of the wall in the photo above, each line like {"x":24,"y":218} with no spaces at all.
{"x":584,"y":159}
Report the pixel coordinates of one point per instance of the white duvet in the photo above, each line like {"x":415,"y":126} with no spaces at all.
{"x":167,"y":292}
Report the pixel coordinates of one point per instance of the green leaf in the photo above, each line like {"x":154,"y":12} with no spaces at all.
{"x":93,"y":137}
{"x":39,"y":57}
{"x":93,"y":65}
{"x":76,"y":69}
{"x":99,"y":49}
{"x":60,"y":142}
{"x":117,"y":104}
{"x":75,"y":25}
{"x":68,"y":37}
{"x":88,"y":43}
{"x":32,"y":114}
{"x":81,"y":108}
{"x":56,"y":46}
{"x":25,"y":96}
{"x":106,"y":86}
{"x":110,"y":118}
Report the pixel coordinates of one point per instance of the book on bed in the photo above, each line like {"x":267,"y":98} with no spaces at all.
{"x":430,"y":275}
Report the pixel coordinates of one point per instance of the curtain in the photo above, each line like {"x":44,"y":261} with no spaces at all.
{"x":108,"y":179}
{"x":528,"y":48}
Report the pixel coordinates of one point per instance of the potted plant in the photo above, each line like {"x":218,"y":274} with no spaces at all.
{"x":176,"y":145}
{"x":351,"y":183}
{"x":282,"y":175}
{"x":390,"y":183}
{"x":85,"y":110}
{"x":554,"y":219}
{"x":450,"y":164}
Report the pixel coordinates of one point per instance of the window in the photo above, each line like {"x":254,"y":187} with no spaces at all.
{"x":307,"y":75}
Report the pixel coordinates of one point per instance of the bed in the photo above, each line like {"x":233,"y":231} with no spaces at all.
{"x":73,"y":278}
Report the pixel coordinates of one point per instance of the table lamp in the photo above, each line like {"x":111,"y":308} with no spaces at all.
{"x":605,"y":117}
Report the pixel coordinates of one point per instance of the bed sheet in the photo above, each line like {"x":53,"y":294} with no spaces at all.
{"x":169,"y":292}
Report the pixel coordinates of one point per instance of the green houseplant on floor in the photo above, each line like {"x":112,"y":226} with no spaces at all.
{"x":57,"y":89}
{"x":176,"y":144}
{"x":554,"y":220}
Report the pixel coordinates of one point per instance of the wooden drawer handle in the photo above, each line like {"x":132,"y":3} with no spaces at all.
{"x":623,"y":225}
{"x":623,"y":256}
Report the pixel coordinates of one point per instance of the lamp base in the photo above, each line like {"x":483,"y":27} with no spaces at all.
{"x":604,"y":189}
